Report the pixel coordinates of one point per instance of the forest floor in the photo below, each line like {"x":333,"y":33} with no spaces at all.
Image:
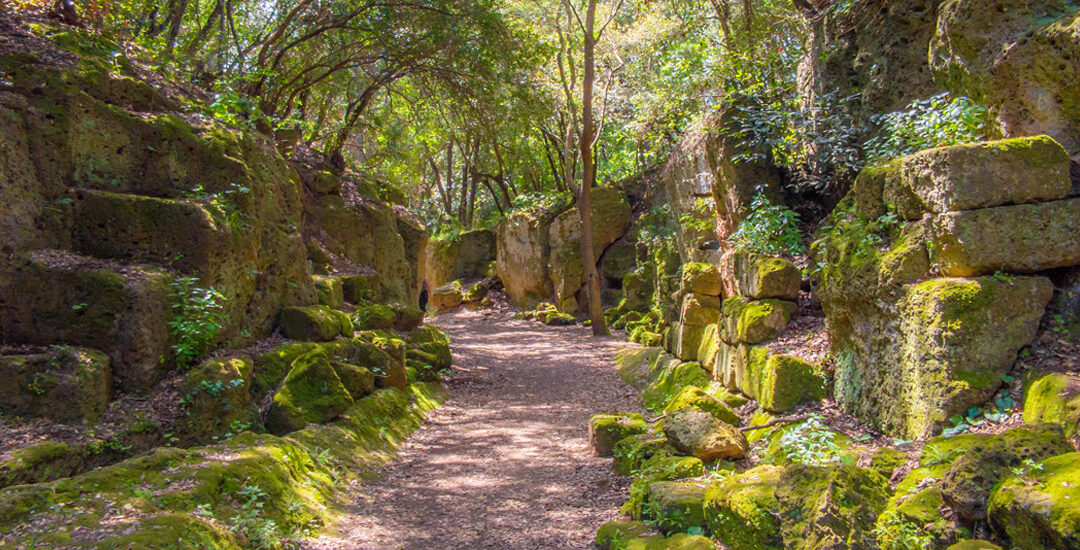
{"x":506,"y":462}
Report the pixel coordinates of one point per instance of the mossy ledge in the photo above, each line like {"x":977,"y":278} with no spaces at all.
{"x":256,"y":490}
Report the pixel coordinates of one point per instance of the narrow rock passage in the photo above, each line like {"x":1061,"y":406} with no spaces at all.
{"x":505,"y":463}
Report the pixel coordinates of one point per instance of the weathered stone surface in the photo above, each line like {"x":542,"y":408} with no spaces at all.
{"x":610,"y":216}
{"x":1039,"y":508}
{"x":617,"y":262}
{"x":742,"y":511}
{"x":311,"y":393}
{"x":64,"y":384}
{"x":359,"y":381}
{"x":830,"y":506}
{"x":446,"y":297}
{"x":994,"y":173}
{"x":787,"y":382}
{"x":359,"y":288}
{"x":677,"y":505}
{"x":754,"y":321}
{"x":605,"y":430}
{"x":56,"y":297}
{"x":758,"y":276}
{"x":701,"y":278}
{"x":218,"y":400}
{"x":1024,"y":238}
{"x":1054,"y":398}
{"x":329,"y":291}
{"x":1021,"y":59}
{"x":967,"y":484}
{"x":521,"y":260}
{"x":462,"y":256}
{"x":317,"y":323}
{"x":693,"y":396}
{"x":373,"y":317}
{"x":709,"y":347}
{"x":700,"y":434}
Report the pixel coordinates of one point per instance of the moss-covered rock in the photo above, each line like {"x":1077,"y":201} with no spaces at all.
{"x":754,"y":321}
{"x":632,"y":452}
{"x":787,"y":382}
{"x":830,"y":506}
{"x":373,"y":317}
{"x":62,"y":383}
{"x":675,"y":506}
{"x":1024,"y":238}
{"x":56,"y":297}
{"x":610,"y":216}
{"x":660,"y":467}
{"x":318,"y":323}
{"x":966,"y":485}
{"x":758,"y":276}
{"x":614,"y":535}
{"x":329,"y":291}
{"x":701,"y":278}
{"x":637,"y":365}
{"x":359,"y":288}
{"x":217,"y":400}
{"x":605,"y":430}
{"x":701,"y":434}
{"x":717,"y":391}
{"x":693,"y":396}
{"x":974,"y":545}
{"x":742,"y":511}
{"x":358,"y":381}
{"x":311,"y":393}
{"x":1054,"y":398}
{"x":446,"y":297}
{"x":670,"y":377}
{"x":1037,"y":506}
{"x":555,"y":318}
{"x":477,"y":292}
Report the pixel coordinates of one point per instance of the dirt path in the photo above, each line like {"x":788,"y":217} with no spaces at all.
{"x":505,"y":463}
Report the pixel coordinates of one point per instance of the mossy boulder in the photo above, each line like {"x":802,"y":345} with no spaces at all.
{"x":329,"y":291}
{"x":967,"y":484}
{"x":787,"y":382}
{"x":754,"y":321}
{"x":385,"y":354}
{"x":446,"y":297}
{"x":636,"y":366}
{"x":974,"y":545}
{"x":693,"y":396}
{"x":830,"y":506}
{"x":462,"y":256}
{"x":407,"y":317}
{"x":676,"y":506}
{"x":1054,"y":398}
{"x":614,"y":535}
{"x":555,"y":318}
{"x":717,"y":391}
{"x":633,"y":451}
{"x":605,"y":430}
{"x":701,"y":434}
{"x":358,"y":381}
{"x":669,"y":378}
{"x":311,"y":393}
{"x":63,"y":383}
{"x":373,"y":317}
{"x":477,"y":292}
{"x":742,"y":511}
{"x":701,"y":278}
{"x":317,"y":323}
{"x":659,"y":467}
{"x":1038,"y":506}
{"x":759,"y":276}
{"x":217,"y":400}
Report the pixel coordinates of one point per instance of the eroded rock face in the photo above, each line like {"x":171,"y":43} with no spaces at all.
{"x":610,"y":216}
{"x":1020,"y":58}
{"x":830,"y":506}
{"x":701,"y":434}
{"x":912,"y":349}
{"x":65,"y":384}
{"x":462,"y":256}
{"x":522,"y":258}
{"x":1038,"y":509}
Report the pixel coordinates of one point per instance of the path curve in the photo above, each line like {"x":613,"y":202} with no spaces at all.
{"x":505,"y":463}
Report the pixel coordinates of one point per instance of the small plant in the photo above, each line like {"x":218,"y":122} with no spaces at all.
{"x":810,"y":443}
{"x":1026,"y":471}
{"x":769,"y":229}
{"x":702,"y":216}
{"x":893,"y":532}
{"x":932,"y":122}
{"x":198,"y":317}
{"x":250,"y":523}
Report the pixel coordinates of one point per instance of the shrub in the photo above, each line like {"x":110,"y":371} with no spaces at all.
{"x":197,"y":319}
{"x":768,"y":229}
{"x":932,"y":122}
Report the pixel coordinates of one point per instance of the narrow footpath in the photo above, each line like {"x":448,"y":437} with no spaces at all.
{"x":505,"y":463}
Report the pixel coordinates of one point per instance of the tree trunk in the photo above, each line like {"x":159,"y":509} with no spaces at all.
{"x":588,"y":139}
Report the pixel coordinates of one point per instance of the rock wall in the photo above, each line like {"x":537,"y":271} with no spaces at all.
{"x":110,"y":190}
{"x":464,"y":256}
{"x":924,"y":276}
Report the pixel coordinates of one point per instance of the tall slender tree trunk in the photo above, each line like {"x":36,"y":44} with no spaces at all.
{"x":588,"y":139}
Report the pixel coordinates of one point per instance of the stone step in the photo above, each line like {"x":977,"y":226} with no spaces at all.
{"x":62,"y":383}
{"x":59,"y":297}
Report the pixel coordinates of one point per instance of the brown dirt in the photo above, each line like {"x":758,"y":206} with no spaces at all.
{"x":505,"y":463}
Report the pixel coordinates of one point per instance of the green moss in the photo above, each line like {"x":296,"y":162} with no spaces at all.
{"x":1053,"y":398}
{"x":886,"y":460}
{"x":329,"y":291}
{"x":373,"y":317}
{"x":217,"y":401}
{"x":359,"y":381}
{"x":742,"y":511}
{"x":615,"y":535}
{"x":1039,"y":507}
{"x":693,"y":396}
{"x":701,"y":278}
{"x":270,"y":368}
{"x":311,"y":393}
{"x":558,"y":319}
{"x":359,"y":288}
{"x":675,"y":506}
{"x":660,"y":467}
{"x":632,"y":452}
{"x":605,"y":430}
{"x":669,"y":379}
{"x":753,"y":321}
{"x":319,"y":323}
{"x":834,"y":505}
{"x":789,"y":381}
